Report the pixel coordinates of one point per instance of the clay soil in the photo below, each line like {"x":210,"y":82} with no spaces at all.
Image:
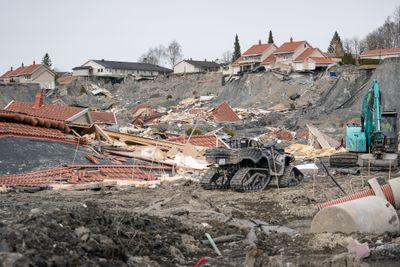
{"x":164,"y":226}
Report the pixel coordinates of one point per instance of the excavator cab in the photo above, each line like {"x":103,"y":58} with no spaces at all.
{"x":389,"y":131}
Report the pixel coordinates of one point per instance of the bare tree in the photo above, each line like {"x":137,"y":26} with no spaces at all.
{"x":154,"y":55}
{"x":174,"y":52}
{"x":226,"y":57}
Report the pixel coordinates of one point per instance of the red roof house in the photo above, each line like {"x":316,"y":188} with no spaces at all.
{"x":224,"y":113}
{"x":381,"y":53}
{"x":254,"y":56}
{"x":35,"y":73}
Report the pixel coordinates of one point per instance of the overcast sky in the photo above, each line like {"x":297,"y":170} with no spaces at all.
{"x":74,"y":31}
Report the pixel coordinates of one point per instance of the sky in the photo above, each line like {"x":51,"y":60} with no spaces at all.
{"x":75,"y":31}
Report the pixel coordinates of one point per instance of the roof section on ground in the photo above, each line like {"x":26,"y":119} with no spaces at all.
{"x":224,"y":113}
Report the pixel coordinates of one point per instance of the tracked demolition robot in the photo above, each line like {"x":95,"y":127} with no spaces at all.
{"x":375,"y":142}
{"x":249,"y":166}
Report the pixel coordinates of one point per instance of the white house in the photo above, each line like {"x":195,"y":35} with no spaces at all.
{"x":289,"y":51}
{"x":311,"y":59}
{"x":253,"y":57}
{"x":118,"y":69}
{"x":380,"y":53}
{"x":196,"y":66}
{"x":32,"y":74}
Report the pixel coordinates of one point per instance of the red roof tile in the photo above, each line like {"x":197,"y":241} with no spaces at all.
{"x":381,"y":51}
{"x":257,"y":49}
{"x":269,"y":59}
{"x":288,"y":47}
{"x":224,"y":113}
{"x":322,"y":60}
{"x":103,"y":117}
{"x":75,"y":174}
{"x":199,"y":140}
{"x":50,"y":111}
{"x":303,"y":56}
{"x":236,"y":62}
{"x":21,"y":71}
{"x":7,"y":128}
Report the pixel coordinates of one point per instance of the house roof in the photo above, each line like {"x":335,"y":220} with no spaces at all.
{"x":19,"y":129}
{"x":269,"y":59}
{"x":131,"y":66}
{"x":21,"y":71}
{"x":82,"y":68}
{"x":203,"y":64}
{"x":322,"y":60}
{"x":288,"y":47}
{"x":58,"y":113}
{"x":257,"y":49}
{"x":103,"y":117}
{"x":303,"y":56}
{"x":49,"y":111}
{"x":199,"y":140}
{"x":381,"y":51}
{"x":224,"y":113}
{"x":236,"y":62}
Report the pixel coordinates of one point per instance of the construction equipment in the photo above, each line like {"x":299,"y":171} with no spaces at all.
{"x":248,"y":166}
{"x":375,"y":141}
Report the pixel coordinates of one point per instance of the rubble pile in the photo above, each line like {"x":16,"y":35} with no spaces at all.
{"x":117,"y":173}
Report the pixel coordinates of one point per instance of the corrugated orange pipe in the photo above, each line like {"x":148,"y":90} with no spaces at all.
{"x":387,"y":191}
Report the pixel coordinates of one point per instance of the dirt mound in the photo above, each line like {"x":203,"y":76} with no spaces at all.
{"x":90,"y":235}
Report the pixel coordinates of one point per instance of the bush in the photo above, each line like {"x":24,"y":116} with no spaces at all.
{"x":369,"y":61}
{"x":196,"y":131}
{"x":229,"y":131}
{"x":169,"y":96}
{"x":83,"y":90}
{"x":292,"y":106}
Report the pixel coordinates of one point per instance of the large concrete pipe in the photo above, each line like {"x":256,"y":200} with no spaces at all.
{"x":370,"y":214}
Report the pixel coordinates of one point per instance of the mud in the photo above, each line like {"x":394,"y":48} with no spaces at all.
{"x":165,"y":226}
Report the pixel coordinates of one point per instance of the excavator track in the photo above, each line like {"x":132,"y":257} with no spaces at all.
{"x":250,"y":179}
{"x":345,"y":159}
{"x":215,"y":179}
{"x":291,"y":177}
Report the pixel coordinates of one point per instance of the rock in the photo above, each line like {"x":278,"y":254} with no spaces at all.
{"x":141,"y":261}
{"x":35,"y":212}
{"x":83,"y":233}
{"x":177,"y":254}
{"x":13,"y":260}
{"x":4,"y":246}
{"x":268,"y":229}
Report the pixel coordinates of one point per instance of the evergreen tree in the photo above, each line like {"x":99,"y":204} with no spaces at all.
{"x":270,"y":38}
{"x":236,"y":49}
{"x":336,"y":45}
{"x":348,"y":59}
{"x":46,"y":60}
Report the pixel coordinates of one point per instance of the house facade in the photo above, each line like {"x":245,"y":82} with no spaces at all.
{"x":311,"y":59}
{"x":253,"y":57}
{"x":289,"y":51}
{"x":196,"y":66}
{"x":118,"y":69}
{"x":32,"y":74}
{"x":380,"y":53}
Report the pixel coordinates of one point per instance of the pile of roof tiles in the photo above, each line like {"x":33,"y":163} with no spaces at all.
{"x":78,"y":174}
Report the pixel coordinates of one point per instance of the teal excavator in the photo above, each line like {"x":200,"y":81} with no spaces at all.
{"x":373,"y":143}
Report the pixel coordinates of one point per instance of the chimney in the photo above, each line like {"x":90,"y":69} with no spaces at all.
{"x":22,"y":64}
{"x":259,"y":42}
{"x":38,"y":99}
{"x":34,"y":63}
{"x":291,"y":39}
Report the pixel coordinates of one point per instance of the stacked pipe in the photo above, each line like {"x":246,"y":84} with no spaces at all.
{"x":389,"y":192}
